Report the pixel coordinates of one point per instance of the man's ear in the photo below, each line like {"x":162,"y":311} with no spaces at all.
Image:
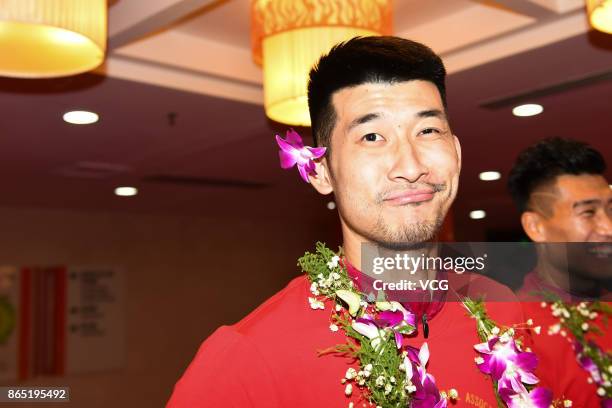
{"x":458,"y":149}
{"x":533,"y":225}
{"x":322,"y":180}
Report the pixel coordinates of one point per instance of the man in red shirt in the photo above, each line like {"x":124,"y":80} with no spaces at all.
{"x":378,"y":105}
{"x":566,"y":209}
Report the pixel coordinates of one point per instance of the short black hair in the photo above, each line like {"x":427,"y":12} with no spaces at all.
{"x":541,"y":164}
{"x":362,"y":60}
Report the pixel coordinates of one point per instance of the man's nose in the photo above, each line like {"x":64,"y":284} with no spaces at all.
{"x":407,"y":162}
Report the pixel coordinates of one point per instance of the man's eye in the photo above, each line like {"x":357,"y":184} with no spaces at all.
{"x":588,"y":213}
{"x":372,"y":137}
{"x":430,"y":131}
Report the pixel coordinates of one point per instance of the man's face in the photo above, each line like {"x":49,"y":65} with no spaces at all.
{"x":581,"y":210}
{"x":394,"y":165}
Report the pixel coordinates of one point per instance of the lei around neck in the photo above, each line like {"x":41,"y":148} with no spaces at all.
{"x":392,"y":373}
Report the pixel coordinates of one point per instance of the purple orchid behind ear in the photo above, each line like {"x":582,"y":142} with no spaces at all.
{"x":292,"y":152}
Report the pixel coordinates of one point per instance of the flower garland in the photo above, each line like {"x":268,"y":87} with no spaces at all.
{"x":393,"y":375}
{"x":578,"y":320}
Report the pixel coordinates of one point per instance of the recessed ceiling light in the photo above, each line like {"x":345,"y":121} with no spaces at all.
{"x":529,"y":109}
{"x":331,"y":205}
{"x":489,"y":175}
{"x":80,"y":117}
{"x":477,"y":214}
{"x":126,"y":191}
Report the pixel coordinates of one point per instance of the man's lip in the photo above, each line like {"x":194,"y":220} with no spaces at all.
{"x":407,"y":197}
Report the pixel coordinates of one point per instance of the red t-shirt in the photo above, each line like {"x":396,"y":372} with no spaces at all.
{"x":269,"y":359}
{"x":558,"y":367}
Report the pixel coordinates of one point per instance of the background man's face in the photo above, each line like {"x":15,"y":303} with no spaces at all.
{"x":581,"y":210}
{"x":394,"y":164}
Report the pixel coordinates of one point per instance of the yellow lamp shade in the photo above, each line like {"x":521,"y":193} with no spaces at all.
{"x":289,"y":36}
{"x":51,"y":38}
{"x":600,"y":14}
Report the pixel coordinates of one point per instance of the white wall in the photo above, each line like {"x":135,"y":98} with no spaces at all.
{"x":185,"y":276}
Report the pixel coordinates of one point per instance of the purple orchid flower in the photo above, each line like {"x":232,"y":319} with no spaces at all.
{"x":587,"y":363}
{"x":427,"y":394}
{"x":293,"y":152}
{"x":537,"y":398}
{"x":399,"y":321}
{"x":505,"y":363}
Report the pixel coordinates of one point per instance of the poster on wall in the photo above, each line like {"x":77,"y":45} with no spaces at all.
{"x":57,"y":320}
{"x":95,"y":326}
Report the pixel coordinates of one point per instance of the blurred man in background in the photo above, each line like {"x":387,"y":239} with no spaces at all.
{"x":566,"y":209}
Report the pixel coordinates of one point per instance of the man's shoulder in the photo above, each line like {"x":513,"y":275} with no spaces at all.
{"x":285,"y":305}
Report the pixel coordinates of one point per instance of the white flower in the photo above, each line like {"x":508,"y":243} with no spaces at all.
{"x":479,"y":360}
{"x":543,"y":304}
{"x":495,"y":330}
{"x":529,"y":322}
{"x":335,"y":276}
{"x":313,"y":288}
{"x":388,"y":389}
{"x":392,"y":379}
{"x":510,"y":332}
{"x":504,"y":338}
{"x":380,"y":381}
{"x":351,"y":298}
{"x":348,"y":390}
{"x":333,"y":327}
{"x":585,"y":326}
{"x":410,"y":388}
{"x":610,"y":369}
{"x":601,"y":392}
{"x":368,"y":367}
{"x":566,"y":313}
{"x":350,"y":373}
{"x":567,"y":403}
{"x":351,"y":405}
{"x":338,"y":308}
{"x":593,"y":315}
{"x":316,"y":304}
{"x":453,"y":394}
{"x":537,"y":329}
{"x":563,"y":333}
{"x":334,"y":262}
{"x":554,"y":329}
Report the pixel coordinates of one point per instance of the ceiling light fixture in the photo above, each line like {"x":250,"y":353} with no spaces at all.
{"x":51,"y":38}
{"x":600,"y":14}
{"x":477,"y":214}
{"x":80,"y":117}
{"x":528,"y":109}
{"x":289,"y":36}
{"x":489,"y":175}
{"x":126,"y":191}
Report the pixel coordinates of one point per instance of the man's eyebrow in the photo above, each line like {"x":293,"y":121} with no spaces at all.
{"x":431,"y":113}
{"x":593,"y":201}
{"x":368,"y":117}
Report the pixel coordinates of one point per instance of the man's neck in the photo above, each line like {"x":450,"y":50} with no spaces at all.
{"x":352,"y":247}
{"x":576,"y":286}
